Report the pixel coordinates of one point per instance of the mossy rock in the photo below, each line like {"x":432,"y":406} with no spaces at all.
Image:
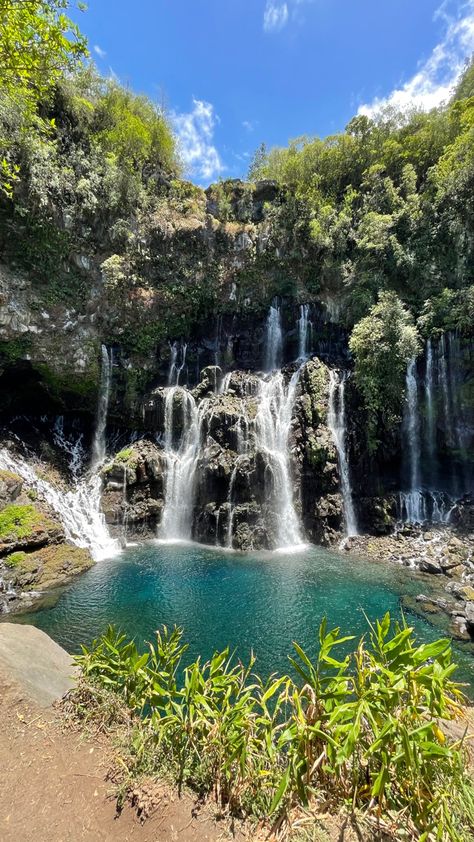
{"x":49,"y":566}
{"x":25,"y":525}
{"x":15,"y":559}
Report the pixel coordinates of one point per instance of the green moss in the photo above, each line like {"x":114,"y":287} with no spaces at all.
{"x":19,"y":522}
{"x":49,"y":566}
{"x":58,"y":384}
{"x":9,"y":476}
{"x":15,"y":559}
{"x":124,"y":455}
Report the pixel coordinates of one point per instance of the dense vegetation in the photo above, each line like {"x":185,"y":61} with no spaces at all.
{"x":365,"y":732}
{"x":377,"y":220}
{"x":389,"y":207}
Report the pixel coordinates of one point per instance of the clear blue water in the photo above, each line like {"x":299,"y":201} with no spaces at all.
{"x":259,"y":601}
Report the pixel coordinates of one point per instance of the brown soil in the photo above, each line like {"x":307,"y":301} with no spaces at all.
{"x":53,"y":786}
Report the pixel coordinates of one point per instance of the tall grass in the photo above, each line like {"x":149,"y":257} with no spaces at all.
{"x":365,"y":731}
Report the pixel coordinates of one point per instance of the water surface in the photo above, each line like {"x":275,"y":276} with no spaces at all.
{"x":259,"y":601}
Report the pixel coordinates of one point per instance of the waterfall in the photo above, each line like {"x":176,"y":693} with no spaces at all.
{"x":98,"y":445}
{"x":272,"y":427}
{"x":73,"y":448}
{"x":78,"y":509}
{"x":181,"y":450}
{"x":444,"y":384}
{"x":176,"y":368}
{"x":230,"y":521}
{"x":413,"y":426}
{"x":273,"y":339}
{"x":430,"y":409}
{"x":413,"y":500}
{"x":337,"y":425}
{"x":304,"y":333}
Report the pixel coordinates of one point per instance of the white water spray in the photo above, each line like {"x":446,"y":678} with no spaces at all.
{"x":304,"y":333}
{"x":98,"y":445}
{"x":182,"y":448}
{"x":274,"y":339}
{"x":272,"y":427}
{"x":78,"y":509}
{"x":337,"y":425}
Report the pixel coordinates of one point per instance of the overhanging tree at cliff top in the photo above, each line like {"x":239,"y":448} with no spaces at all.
{"x":38,"y":45}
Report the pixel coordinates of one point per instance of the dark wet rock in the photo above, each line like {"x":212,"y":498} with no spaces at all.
{"x":133,"y":490}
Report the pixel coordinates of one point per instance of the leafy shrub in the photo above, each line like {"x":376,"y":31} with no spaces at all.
{"x":365,"y":730}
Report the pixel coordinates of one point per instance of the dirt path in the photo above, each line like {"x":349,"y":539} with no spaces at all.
{"x":53,"y":787}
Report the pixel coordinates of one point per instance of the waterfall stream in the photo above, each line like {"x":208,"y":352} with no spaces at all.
{"x":272,"y":427}
{"x":337,"y":424}
{"x":304,"y":333}
{"x":77,"y":509}
{"x":181,"y":449}
{"x":98,"y":445}
{"x":423,"y":500}
{"x":273,"y":339}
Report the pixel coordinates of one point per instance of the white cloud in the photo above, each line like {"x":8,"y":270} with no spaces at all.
{"x":99,"y":51}
{"x":435,"y":78}
{"x":195,"y":132}
{"x":275,"y":16}
{"x":248,"y":125}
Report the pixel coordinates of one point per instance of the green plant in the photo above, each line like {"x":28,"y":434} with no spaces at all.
{"x":18,"y":521}
{"x":364,"y":731}
{"x":14,"y":559}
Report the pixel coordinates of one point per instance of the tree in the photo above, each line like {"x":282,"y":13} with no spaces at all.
{"x":38,"y":45}
{"x":383,"y":343}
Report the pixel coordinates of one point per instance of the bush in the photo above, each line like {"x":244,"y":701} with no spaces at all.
{"x":365,"y":730}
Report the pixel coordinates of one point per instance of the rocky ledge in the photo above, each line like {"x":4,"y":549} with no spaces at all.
{"x":34,"y":555}
{"x":443,"y":552}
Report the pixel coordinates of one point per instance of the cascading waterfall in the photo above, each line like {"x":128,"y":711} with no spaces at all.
{"x":337,"y":425}
{"x":71,"y":446}
{"x":272,"y":427}
{"x":273,"y":339}
{"x":423,"y":501}
{"x":230,"y":521}
{"x":304,"y":333}
{"x":429,"y":397}
{"x":98,"y":444}
{"x":181,"y":447}
{"x":413,"y":500}
{"x":78,"y":509}
{"x":178,"y":350}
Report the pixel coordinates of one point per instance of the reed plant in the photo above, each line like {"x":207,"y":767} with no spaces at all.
{"x":366,"y":731}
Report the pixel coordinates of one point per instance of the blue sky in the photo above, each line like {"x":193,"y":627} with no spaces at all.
{"x":234,"y":73}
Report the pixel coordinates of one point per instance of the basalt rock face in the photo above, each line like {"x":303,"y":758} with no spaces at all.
{"x":240,"y":438}
{"x":322,"y":509}
{"x":133,"y":490}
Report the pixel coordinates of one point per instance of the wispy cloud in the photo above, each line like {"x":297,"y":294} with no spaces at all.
{"x":99,"y":51}
{"x":275,"y":16}
{"x":248,"y":125}
{"x":436,"y":76}
{"x":195,"y":132}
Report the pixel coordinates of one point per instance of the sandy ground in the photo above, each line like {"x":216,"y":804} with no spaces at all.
{"x":53,"y":786}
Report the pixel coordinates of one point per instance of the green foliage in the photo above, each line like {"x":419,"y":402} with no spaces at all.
{"x":133,"y":129}
{"x":15,"y":559}
{"x":382,"y":343}
{"x":364,"y":730}
{"x":38,"y":45}
{"x":390,"y":202}
{"x":123,"y":455}
{"x":18,"y":522}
